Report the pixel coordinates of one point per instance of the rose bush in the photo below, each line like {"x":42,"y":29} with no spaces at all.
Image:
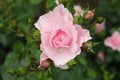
{"x":61,"y":39}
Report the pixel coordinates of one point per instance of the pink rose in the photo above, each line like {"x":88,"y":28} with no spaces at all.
{"x":101,"y":56}
{"x":60,"y":38}
{"x":100,"y":27}
{"x":78,"y":10}
{"x":113,"y":41}
{"x":89,"y":15}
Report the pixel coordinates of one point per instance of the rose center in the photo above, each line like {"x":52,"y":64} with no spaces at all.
{"x":61,"y":38}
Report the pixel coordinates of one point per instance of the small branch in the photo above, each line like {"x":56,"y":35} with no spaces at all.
{"x":11,"y":30}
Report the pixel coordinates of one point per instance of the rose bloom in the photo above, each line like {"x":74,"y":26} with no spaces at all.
{"x":78,"y":10}
{"x":113,"y":41}
{"x":100,"y":27}
{"x":60,"y":38}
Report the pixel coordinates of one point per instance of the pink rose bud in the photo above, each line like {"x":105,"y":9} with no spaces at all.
{"x":60,"y":38}
{"x":78,"y":10}
{"x":100,"y":55}
{"x":100,"y":27}
{"x":113,"y":41}
{"x":44,"y":64}
{"x":89,"y":15}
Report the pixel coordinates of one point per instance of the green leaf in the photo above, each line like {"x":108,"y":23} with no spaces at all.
{"x":36,"y":54}
{"x":75,"y":74}
{"x":70,"y":6}
{"x":50,"y":4}
{"x":12,"y":72}
{"x":117,"y":57}
{"x":91,"y":73}
{"x":21,"y":71}
{"x":1,"y":26}
{"x":10,"y":65}
{"x":35,"y":2}
{"x":12,"y":61}
{"x":78,"y":20}
{"x":71,"y":63}
{"x":82,"y":60}
{"x":24,"y":28}
{"x":3,"y":39}
{"x":7,"y":76}
{"x":100,"y":19}
{"x":18,"y":47}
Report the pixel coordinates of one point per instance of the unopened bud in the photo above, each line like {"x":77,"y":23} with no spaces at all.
{"x":101,"y":56}
{"x":88,"y":46}
{"x":89,"y":15}
{"x":44,"y":64}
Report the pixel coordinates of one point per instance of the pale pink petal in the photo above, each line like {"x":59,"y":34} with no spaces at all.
{"x":57,"y":2}
{"x":63,"y":11}
{"x":48,"y":20}
{"x":83,"y":36}
{"x":43,"y":57}
{"x":63,"y":66}
{"x":62,"y":57}
{"x":78,"y":10}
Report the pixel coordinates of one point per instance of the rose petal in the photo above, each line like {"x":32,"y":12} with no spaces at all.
{"x":63,"y":67}
{"x":83,"y":36}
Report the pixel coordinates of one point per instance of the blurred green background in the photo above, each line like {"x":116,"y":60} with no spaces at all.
{"x":19,"y":44}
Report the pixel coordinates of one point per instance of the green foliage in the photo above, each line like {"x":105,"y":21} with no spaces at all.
{"x":36,"y":54}
{"x":78,"y":20}
{"x":3,"y":39}
{"x":91,"y":73}
{"x":18,"y":47}
{"x":50,"y":4}
{"x":82,"y":60}
{"x":19,"y":40}
{"x":70,"y":6}
{"x":100,"y":19}
{"x":35,"y":2}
